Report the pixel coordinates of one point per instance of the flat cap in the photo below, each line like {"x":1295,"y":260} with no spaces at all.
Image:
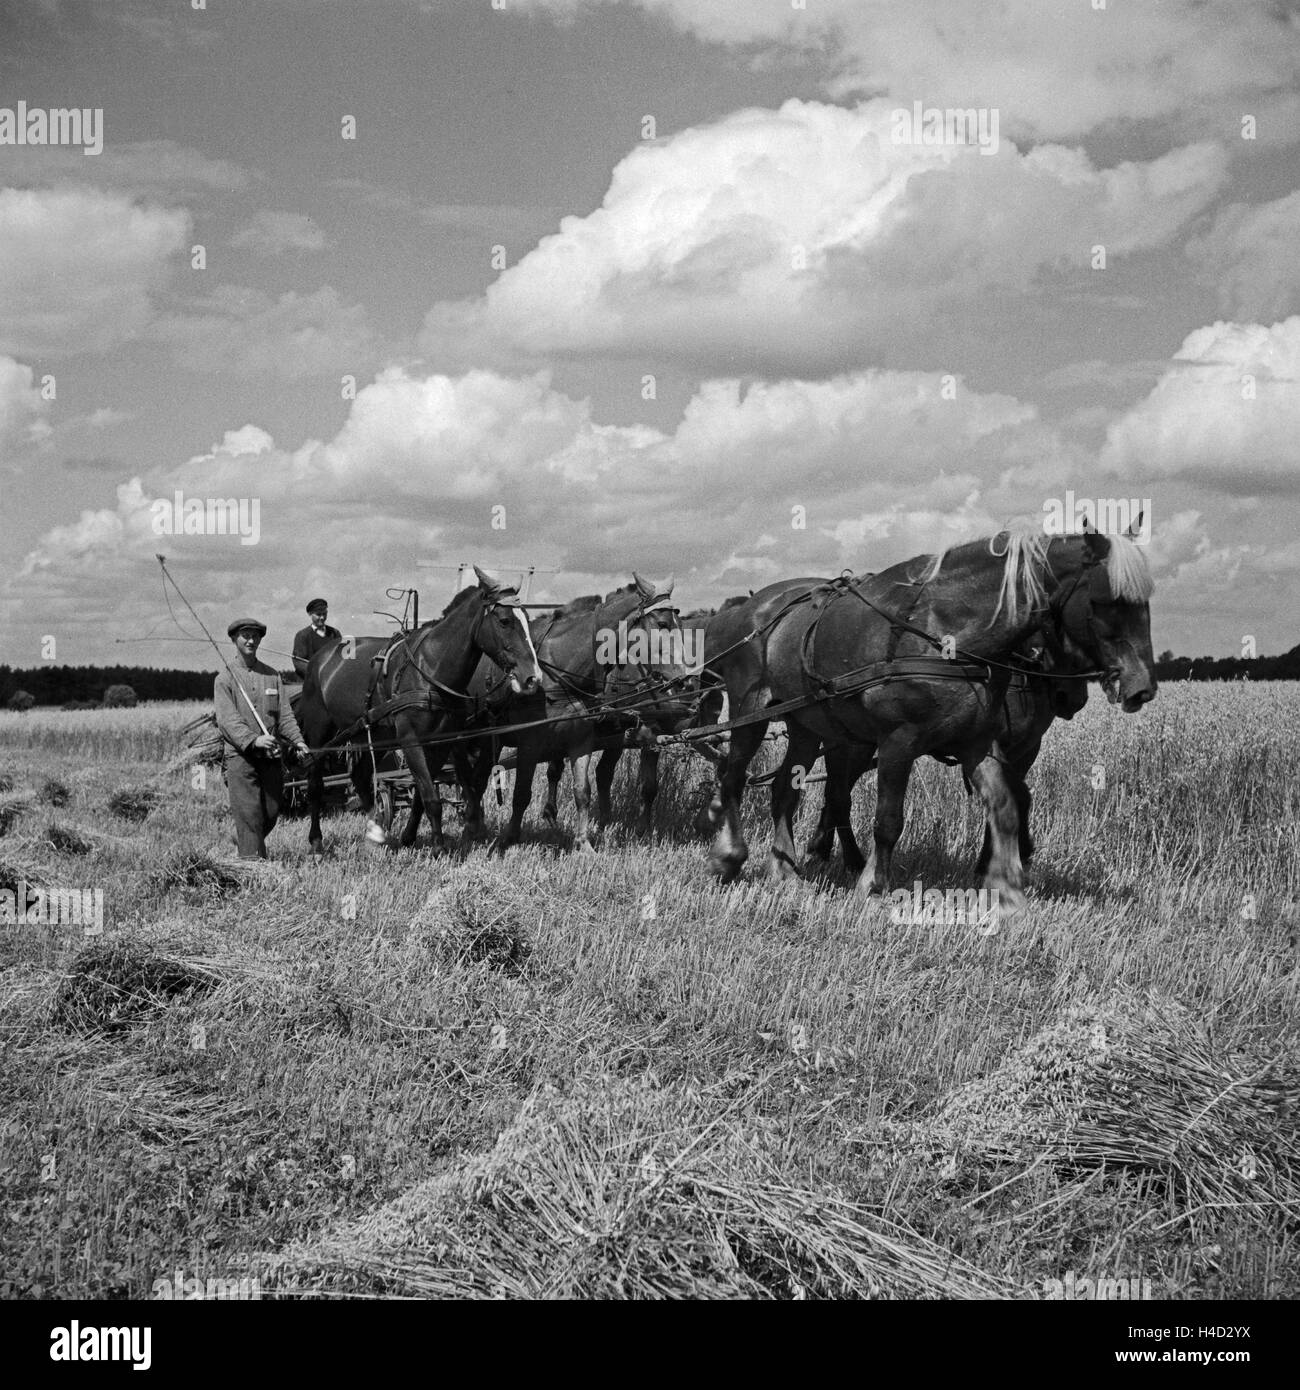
{"x":241,"y":623}
{"x":318,"y":603}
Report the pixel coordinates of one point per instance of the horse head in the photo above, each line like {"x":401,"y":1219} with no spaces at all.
{"x":503,"y":636}
{"x":1103,"y":609}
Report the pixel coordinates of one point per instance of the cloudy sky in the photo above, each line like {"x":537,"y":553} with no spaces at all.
{"x":611,"y":284}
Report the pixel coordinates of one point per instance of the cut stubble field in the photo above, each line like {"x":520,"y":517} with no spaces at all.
{"x":564,"y":1075}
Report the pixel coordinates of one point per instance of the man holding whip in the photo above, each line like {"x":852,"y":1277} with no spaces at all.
{"x":254,"y":773}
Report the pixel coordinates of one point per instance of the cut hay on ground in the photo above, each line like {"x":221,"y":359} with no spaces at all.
{"x":66,"y":839}
{"x":133,"y":803}
{"x":624,"y":1190}
{"x":187,"y":867}
{"x":1135,"y":1085}
{"x":201,"y":745}
{"x":113,"y":985}
{"x":13,"y":805}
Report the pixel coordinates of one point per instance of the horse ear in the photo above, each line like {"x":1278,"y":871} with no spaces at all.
{"x":665,"y":590}
{"x":643,"y":585}
{"x":1134,"y":527}
{"x":486,"y":581}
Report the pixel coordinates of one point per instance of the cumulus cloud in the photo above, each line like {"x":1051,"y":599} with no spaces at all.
{"x":22,"y":410}
{"x":782,"y":477}
{"x":273,"y":233}
{"x":1055,"y":70}
{"x":247,"y":333}
{"x":1226,"y":413}
{"x":78,"y":267}
{"x":1250,"y":254}
{"x":804,"y":240}
{"x":157,"y":167}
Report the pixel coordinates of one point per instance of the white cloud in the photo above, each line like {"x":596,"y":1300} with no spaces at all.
{"x":881,"y":463}
{"x":157,"y":167}
{"x":247,"y":333}
{"x":1055,"y":68}
{"x":78,"y":267}
{"x":22,"y":410}
{"x":1250,"y":254}
{"x":804,"y":240}
{"x":1226,"y":413}
{"x":275,"y":233}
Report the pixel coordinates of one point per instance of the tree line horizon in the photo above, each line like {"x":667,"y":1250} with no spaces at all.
{"x":84,"y":687}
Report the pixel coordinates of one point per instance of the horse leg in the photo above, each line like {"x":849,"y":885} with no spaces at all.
{"x":844,"y":767}
{"x":551,"y":810}
{"x":362,"y":775}
{"x":472,"y":786}
{"x":800,"y":754}
{"x":605,"y":768}
{"x":649,"y":780}
{"x":315,"y":795}
{"x":1004,"y":876}
{"x":433,"y":809}
{"x":426,"y":792}
{"x":728,"y":852}
{"x":525,"y":767}
{"x":580,"y":762}
{"x":894,"y":761}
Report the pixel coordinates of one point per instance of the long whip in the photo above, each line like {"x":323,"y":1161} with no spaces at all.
{"x":248,"y":699}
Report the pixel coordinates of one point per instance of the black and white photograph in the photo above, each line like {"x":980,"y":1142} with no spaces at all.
{"x":649,"y":650}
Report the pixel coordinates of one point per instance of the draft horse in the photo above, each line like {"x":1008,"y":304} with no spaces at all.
{"x":571,"y":708}
{"x":412,"y":688}
{"x":915,"y":661}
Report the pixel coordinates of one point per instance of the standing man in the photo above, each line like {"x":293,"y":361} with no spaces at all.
{"x":310,"y":639}
{"x":253,"y":715}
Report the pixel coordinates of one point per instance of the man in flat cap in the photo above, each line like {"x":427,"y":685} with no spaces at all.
{"x":309,"y":640}
{"x":254,"y":717}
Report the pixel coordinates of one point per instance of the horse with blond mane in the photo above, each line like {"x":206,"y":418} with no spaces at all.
{"x":916,"y":660}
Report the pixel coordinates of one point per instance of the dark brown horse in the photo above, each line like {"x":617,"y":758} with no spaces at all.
{"x":1051,"y":686}
{"x":674,"y":709}
{"x":593,"y":654}
{"x":915,"y":661}
{"x":420,"y":679}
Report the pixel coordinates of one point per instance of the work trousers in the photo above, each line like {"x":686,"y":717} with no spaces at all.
{"x":256,"y":786}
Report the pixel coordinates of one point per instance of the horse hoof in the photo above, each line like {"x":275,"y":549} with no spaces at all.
{"x":317,"y":849}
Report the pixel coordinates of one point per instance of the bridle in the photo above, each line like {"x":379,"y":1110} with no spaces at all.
{"x":502,"y":599}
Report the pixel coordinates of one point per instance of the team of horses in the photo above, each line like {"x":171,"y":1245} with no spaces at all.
{"x":966,"y":656}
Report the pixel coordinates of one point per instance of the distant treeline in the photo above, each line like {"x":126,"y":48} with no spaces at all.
{"x":64,"y":685}
{"x":1229,"y":668}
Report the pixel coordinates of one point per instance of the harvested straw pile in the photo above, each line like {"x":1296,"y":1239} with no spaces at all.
{"x":133,"y":803}
{"x":114,"y":984}
{"x":11,"y":807}
{"x":66,"y":839}
{"x":474,"y":917}
{"x":1134,"y":1085}
{"x":54,"y":792}
{"x":202,"y":744}
{"x":190,"y":868}
{"x":624,"y":1191}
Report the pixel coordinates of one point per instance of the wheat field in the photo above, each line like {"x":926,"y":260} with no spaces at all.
{"x":565,"y":1075}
